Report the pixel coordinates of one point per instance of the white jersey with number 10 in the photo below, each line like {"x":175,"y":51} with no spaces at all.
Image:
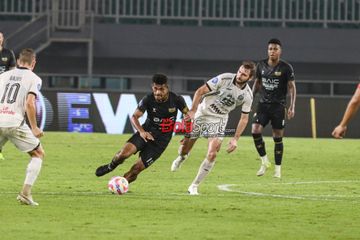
{"x":15,"y":85}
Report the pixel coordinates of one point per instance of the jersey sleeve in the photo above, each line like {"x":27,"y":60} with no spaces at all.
{"x":258,"y":71}
{"x":290,"y":73}
{"x":181,"y":104}
{"x":246,"y":107}
{"x":144,"y":103}
{"x":12,"y":62}
{"x":35,"y":86}
{"x":215,"y":83}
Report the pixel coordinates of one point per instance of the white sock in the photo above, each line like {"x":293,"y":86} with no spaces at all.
{"x":204,"y":169}
{"x":32,"y":171}
{"x":264,"y":159}
{"x":277,"y":168}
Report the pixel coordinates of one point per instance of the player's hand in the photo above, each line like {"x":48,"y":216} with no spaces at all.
{"x":291,"y":113}
{"x":146,"y":136}
{"x":339,"y":132}
{"x":37,"y":132}
{"x":190,"y":115}
{"x":187,"y":118}
{"x":232,"y":145}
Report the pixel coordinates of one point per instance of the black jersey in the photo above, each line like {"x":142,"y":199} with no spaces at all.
{"x":7,"y":60}
{"x":274,"y":81}
{"x":161,"y":114}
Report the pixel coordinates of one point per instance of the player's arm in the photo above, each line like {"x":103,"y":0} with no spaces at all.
{"x":182,"y":106}
{"x":256,"y":86}
{"x":244,"y":119}
{"x":135,"y":122}
{"x":31,"y":114}
{"x":292,"y":92}
{"x":12,"y":63}
{"x":350,"y":111}
{"x":257,"y":81}
{"x":197,"y":98}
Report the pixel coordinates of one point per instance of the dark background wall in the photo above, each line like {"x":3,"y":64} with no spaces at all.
{"x":316,"y":54}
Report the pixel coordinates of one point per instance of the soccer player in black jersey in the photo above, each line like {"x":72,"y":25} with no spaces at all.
{"x":7,"y":62}
{"x":7,"y":57}
{"x":151,"y":139}
{"x":274,"y":78}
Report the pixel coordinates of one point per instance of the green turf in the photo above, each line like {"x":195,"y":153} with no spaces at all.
{"x":317,"y":198}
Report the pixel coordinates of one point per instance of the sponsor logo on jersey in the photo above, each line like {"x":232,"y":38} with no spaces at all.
{"x":240,"y":97}
{"x":171,"y":110}
{"x":215,"y":80}
{"x":277,"y":74}
{"x":4,"y":59}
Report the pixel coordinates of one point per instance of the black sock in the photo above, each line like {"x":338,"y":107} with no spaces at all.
{"x":115,"y":162}
{"x":259,"y":144}
{"x":278,"y":150}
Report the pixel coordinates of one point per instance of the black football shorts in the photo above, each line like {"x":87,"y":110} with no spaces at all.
{"x":270,"y":112}
{"x":150,"y":151}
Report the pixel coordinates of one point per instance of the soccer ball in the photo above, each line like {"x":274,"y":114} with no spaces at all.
{"x":118,"y":185}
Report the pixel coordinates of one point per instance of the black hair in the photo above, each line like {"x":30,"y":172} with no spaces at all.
{"x":159,"y":78}
{"x":274,"y":41}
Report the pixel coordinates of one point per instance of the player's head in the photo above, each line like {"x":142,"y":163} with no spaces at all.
{"x":160,"y":87}
{"x":246,"y":72}
{"x":1,"y":39}
{"x":274,"y":49}
{"x":27,"y":58}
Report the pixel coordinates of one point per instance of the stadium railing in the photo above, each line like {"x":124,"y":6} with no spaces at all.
{"x":281,"y":13}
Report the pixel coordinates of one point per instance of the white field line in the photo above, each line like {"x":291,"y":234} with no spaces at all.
{"x":328,"y":197}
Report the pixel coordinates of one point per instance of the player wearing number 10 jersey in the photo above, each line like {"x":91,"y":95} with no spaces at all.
{"x":18,"y":91}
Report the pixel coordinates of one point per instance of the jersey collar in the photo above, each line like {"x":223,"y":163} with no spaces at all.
{"x":23,"y":68}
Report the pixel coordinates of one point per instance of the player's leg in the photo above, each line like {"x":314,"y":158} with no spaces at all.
{"x":278,"y":125}
{"x":261,"y":119}
{"x":128,"y":150}
{"x":278,"y":150}
{"x":1,"y":155}
{"x":25,"y":141}
{"x":214,"y":145}
{"x":186,"y":146}
{"x":3,"y":140}
{"x":134,"y":171}
{"x":150,"y":152}
{"x":32,"y":172}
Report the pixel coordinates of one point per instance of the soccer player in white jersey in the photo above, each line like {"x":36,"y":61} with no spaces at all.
{"x":210,"y":110}
{"x":18,"y":91}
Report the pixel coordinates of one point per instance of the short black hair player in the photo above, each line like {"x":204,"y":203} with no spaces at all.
{"x":274,"y":78}
{"x":150,"y":140}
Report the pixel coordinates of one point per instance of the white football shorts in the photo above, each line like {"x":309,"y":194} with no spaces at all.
{"x":208,"y":126}
{"x":22,"y":137}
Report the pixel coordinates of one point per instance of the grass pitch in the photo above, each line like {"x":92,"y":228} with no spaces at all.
{"x":317,"y":198}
